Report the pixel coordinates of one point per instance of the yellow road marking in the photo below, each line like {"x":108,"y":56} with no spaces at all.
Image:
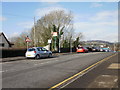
{"x":55,"y":86}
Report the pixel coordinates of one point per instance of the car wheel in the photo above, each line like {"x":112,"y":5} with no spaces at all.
{"x":50,"y":55}
{"x":37,"y":56}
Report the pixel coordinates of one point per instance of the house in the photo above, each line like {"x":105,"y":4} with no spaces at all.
{"x":4,"y":43}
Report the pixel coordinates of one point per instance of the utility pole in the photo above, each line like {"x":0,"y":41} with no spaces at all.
{"x":34,"y":33}
{"x":114,"y":46}
{"x":27,"y":45}
{"x":59,"y":39}
{"x":71,"y":44}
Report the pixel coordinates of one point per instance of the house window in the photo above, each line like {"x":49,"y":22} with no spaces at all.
{"x":2,"y":44}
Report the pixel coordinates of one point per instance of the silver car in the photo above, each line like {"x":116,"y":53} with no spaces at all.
{"x":38,"y":52}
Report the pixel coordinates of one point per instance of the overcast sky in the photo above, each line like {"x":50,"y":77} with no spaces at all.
{"x":96,"y":20}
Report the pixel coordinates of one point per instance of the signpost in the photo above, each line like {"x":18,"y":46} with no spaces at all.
{"x":49,"y":41}
{"x":54,"y":35}
{"x":27,"y":40}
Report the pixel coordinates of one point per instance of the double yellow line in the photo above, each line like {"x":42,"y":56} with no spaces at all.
{"x":66,"y":80}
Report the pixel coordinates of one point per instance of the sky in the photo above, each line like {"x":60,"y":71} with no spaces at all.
{"x":96,"y":20}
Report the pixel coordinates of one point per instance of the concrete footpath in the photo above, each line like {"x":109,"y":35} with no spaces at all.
{"x":105,"y":75}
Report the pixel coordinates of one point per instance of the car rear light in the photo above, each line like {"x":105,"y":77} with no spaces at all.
{"x":34,"y":51}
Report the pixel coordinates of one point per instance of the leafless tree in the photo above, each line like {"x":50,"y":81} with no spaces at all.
{"x":56,"y":21}
{"x":19,"y":41}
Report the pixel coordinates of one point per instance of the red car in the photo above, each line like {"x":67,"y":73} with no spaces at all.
{"x":82,"y":49}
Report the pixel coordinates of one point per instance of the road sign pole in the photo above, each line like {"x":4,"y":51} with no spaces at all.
{"x":49,"y":42}
{"x":55,"y":42}
{"x":55,"y":34}
{"x":27,"y":45}
{"x":27,"y":40}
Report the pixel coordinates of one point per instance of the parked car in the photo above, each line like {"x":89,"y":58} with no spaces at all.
{"x":101,"y":50}
{"x":37,"y":52}
{"x":81,"y":49}
{"x":89,"y":49}
{"x":104,"y":49}
{"x":95,"y":49}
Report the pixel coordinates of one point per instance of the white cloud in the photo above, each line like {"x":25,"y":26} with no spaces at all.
{"x":11,"y":37}
{"x":81,"y":17}
{"x":3,"y":18}
{"x":105,"y":16}
{"x":42,"y":11}
{"x":15,"y":34}
{"x":96,"y":5}
{"x":113,"y":37}
{"x":94,"y":31}
{"x":26,"y":25}
{"x":106,"y":36}
{"x":102,"y":26}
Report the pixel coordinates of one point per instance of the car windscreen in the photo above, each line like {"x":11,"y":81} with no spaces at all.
{"x":105,"y":48}
{"x":31,"y":49}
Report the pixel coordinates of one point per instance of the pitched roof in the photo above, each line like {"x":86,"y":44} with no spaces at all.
{"x":5,"y":38}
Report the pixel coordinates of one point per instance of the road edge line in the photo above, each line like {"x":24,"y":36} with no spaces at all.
{"x":81,"y":72}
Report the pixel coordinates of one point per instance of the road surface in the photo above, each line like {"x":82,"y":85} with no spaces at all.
{"x":46,"y":72}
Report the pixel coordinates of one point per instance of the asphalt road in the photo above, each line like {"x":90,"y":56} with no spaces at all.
{"x":46,"y":72}
{"x":104,"y":75}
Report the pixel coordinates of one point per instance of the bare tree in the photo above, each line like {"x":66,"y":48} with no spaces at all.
{"x":78,"y":37}
{"x":56,"y":21}
{"x":19,"y":41}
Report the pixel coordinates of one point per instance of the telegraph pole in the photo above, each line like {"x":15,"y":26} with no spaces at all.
{"x":34,"y":33}
{"x":71,"y":44}
{"x":114,"y":46}
{"x":59,"y":39}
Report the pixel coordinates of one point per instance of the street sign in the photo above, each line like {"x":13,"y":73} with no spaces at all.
{"x":49,"y":41}
{"x":27,"y":39}
{"x":55,"y":33}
